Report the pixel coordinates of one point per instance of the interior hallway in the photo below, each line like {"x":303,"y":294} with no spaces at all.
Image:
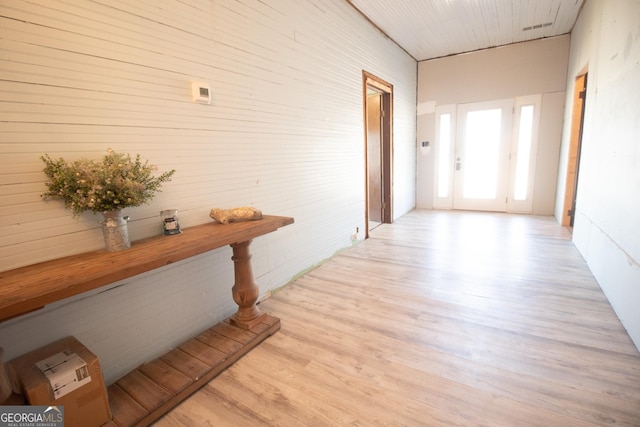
{"x":440,"y":319}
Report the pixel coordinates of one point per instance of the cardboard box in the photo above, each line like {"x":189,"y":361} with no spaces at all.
{"x":64,"y":373}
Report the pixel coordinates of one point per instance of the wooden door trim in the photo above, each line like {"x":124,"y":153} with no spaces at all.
{"x":386,"y":89}
{"x":573,"y":160}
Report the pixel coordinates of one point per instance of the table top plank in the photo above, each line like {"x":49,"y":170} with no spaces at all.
{"x":31,"y":287}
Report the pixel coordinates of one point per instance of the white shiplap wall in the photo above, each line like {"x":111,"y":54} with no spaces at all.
{"x":605,"y":44}
{"x":284,"y":133}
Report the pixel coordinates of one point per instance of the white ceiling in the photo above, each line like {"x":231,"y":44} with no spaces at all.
{"x":429,"y":29}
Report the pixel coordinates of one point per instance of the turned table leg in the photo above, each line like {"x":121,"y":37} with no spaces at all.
{"x":245,"y":290}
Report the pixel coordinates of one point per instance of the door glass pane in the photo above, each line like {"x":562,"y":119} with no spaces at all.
{"x":524,"y":152}
{"x":444,"y":150}
{"x":482,"y":154}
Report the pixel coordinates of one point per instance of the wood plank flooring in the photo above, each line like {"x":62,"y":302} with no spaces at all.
{"x":440,"y":319}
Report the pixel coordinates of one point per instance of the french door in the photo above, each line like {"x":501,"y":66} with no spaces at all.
{"x":485,"y":155}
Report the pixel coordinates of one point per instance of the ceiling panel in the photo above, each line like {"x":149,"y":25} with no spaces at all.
{"x":434,"y":28}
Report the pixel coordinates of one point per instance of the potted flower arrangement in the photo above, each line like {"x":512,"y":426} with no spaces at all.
{"x":117,"y":182}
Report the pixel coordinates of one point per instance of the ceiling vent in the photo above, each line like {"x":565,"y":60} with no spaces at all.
{"x":535,"y":27}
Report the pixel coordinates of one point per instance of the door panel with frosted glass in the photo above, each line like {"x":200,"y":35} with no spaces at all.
{"x":482,"y":156}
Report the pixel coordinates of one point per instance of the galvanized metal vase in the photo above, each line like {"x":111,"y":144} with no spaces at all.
{"x":115,"y":231}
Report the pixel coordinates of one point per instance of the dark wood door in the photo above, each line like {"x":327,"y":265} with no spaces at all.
{"x":374,"y":159}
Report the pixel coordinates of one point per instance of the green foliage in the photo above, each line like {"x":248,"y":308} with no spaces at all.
{"x":118,"y":182}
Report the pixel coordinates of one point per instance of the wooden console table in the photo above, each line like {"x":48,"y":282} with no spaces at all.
{"x":145,"y":394}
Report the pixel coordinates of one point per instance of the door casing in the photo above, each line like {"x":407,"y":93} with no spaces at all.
{"x":371,"y":82}
{"x":575,"y":143}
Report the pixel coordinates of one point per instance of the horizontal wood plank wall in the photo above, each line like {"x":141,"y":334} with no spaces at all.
{"x":284,"y":133}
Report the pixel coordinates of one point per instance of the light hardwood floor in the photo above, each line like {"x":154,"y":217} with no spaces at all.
{"x":440,"y":319}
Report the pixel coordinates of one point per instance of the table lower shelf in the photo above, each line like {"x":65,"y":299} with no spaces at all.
{"x":145,"y":394}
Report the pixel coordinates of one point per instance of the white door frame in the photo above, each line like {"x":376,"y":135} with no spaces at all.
{"x":445,"y":154}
